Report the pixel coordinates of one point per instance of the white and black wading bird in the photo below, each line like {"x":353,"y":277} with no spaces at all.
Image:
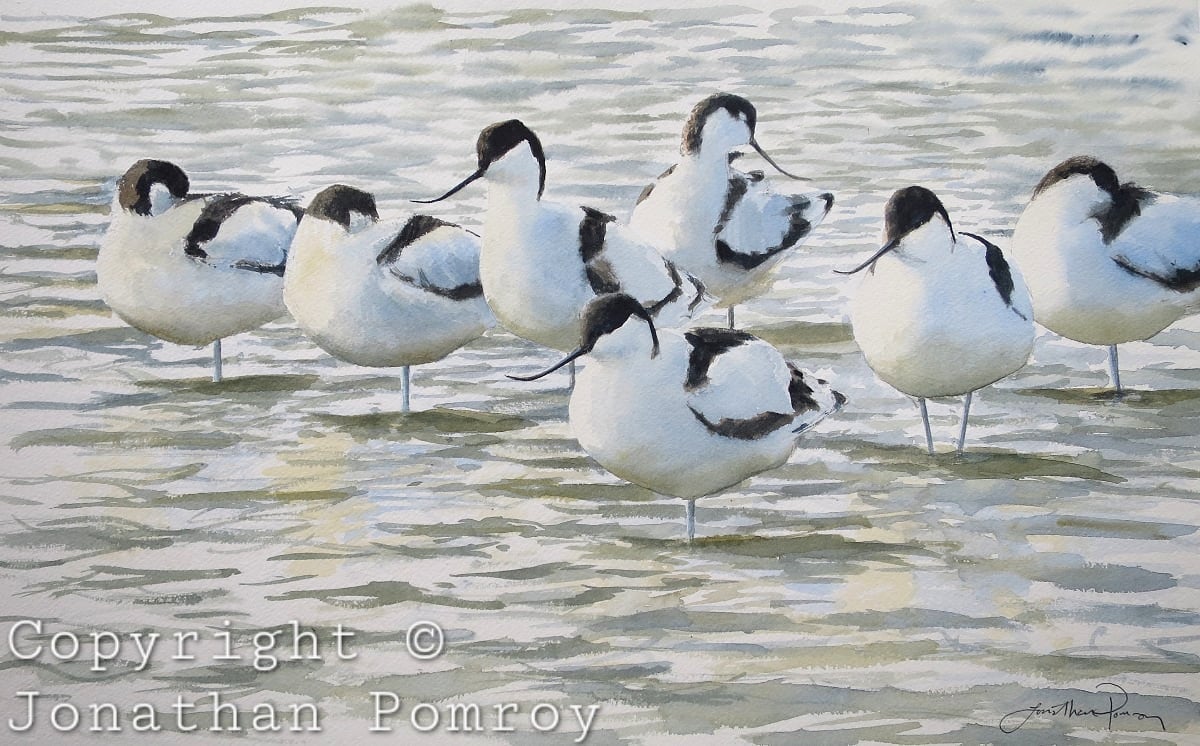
{"x":689,"y":413}
{"x":935,"y":315}
{"x":383,"y":294}
{"x":1108,"y":263}
{"x":193,"y":268}
{"x":728,"y":227}
{"x":542,"y":261}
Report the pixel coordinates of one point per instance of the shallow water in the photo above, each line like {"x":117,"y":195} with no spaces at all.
{"x":864,"y":592}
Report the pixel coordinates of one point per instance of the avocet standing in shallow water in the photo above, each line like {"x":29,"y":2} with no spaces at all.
{"x":685,"y":413}
{"x":383,"y":294}
{"x":193,"y":268}
{"x":542,"y":261}
{"x":725,"y":226}
{"x":935,"y":315}
{"x":1108,"y":263}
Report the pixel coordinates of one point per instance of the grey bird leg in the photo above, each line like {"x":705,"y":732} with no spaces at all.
{"x":962,"y":430}
{"x":925,"y":419}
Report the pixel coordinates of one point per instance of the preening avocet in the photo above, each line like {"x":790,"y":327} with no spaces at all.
{"x":728,"y":227}
{"x":685,"y":413}
{"x":1108,"y":263}
{"x":193,"y":268}
{"x":936,"y":315}
{"x":542,"y":261}
{"x":383,"y":294}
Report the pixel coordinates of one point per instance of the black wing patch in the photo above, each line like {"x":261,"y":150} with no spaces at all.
{"x":1181,"y":280}
{"x":800,"y":392}
{"x":603,"y":279}
{"x":698,"y":298}
{"x":998,"y":270}
{"x":760,"y":425}
{"x":214,"y":213}
{"x":1000,"y":273}
{"x":592,"y":231}
{"x":219,"y":209}
{"x":417,"y":227}
{"x":798,"y":225}
{"x":677,"y":291}
{"x":738,"y":186}
{"x":1126,"y":205}
{"x":751,"y":428}
{"x":706,"y":345}
{"x":465,"y":291}
{"x":259,"y":267}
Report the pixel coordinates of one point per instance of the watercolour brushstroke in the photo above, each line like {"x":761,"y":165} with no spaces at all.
{"x":287,"y":556}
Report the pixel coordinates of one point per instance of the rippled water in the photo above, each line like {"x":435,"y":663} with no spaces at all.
{"x":864,"y":592}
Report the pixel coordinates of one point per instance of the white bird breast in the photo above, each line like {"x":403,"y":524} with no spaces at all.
{"x":144,"y":275}
{"x":532,"y":275}
{"x":631,"y":414}
{"x":933,"y":325}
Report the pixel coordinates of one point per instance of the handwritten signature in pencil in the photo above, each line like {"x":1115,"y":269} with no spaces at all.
{"x":1118,"y":701}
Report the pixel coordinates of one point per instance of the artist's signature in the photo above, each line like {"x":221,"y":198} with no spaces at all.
{"x":1117,"y":707}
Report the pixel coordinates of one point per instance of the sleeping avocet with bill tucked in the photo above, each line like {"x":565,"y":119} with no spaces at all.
{"x":382,"y":294}
{"x":1108,"y":263}
{"x":193,"y":268}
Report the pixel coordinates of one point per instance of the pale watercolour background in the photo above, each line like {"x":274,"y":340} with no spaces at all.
{"x":863,"y":592}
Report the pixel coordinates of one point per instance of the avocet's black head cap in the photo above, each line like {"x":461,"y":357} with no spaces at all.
{"x":133,"y":188}
{"x":494,"y":142}
{"x":909,"y":209}
{"x":339,"y":202}
{"x":604,"y":314}
{"x":1081,"y":165}
{"x":735,"y":105}
{"x":607,"y":313}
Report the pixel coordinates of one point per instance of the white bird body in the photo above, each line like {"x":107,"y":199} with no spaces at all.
{"x":529,"y":264}
{"x":161,"y":272}
{"x":690,"y":413}
{"x":936,"y":314}
{"x":372,"y":295}
{"x":633,"y":414}
{"x":930,"y":321}
{"x":727,"y":227}
{"x":1106,"y":292}
{"x":541,"y":261}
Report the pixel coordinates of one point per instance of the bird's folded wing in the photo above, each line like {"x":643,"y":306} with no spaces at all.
{"x":635,"y":268}
{"x":756,"y":223}
{"x":1163,"y":243}
{"x":434,"y":256}
{"x":250,"y":233}
{"x":733,"y":376}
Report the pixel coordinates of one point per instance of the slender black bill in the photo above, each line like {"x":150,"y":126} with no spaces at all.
{"x":758,"y":148}
{"x":874,"y":257}
{"x":580,"y":352}
{"x":477,"y":175}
